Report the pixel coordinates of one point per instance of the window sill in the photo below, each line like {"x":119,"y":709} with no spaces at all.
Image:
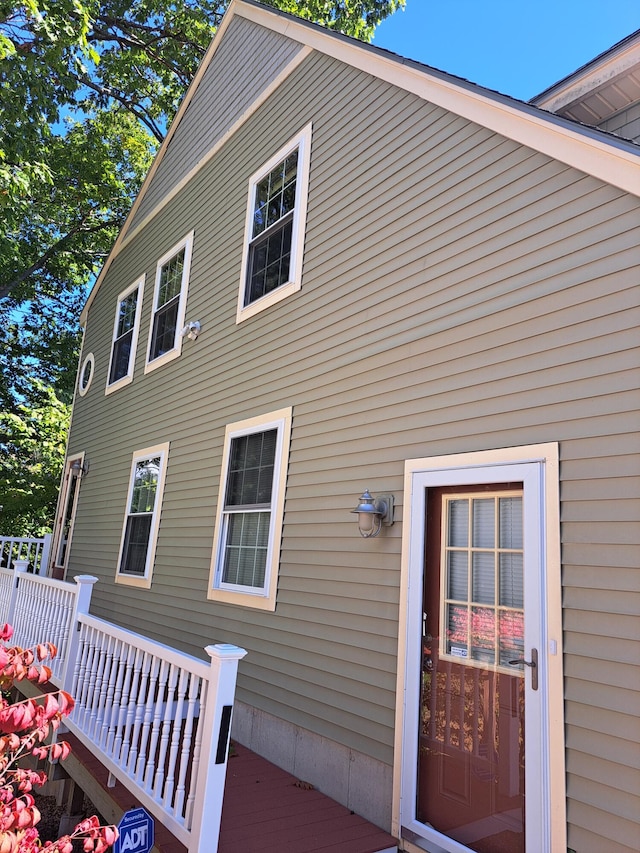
{"x":119,"y":383}
{"x":267,"y":301}
{"x":163,"y":359}
{"x":130,"y":580}
{"x":255,"y":601}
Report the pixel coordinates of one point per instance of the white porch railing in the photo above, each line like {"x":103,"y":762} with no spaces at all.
{"x":35,"y":551}
{"x":43,"y":609}
{"x":158,"y":719}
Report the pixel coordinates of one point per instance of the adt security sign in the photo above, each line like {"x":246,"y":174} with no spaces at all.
{"x":136,"y":832}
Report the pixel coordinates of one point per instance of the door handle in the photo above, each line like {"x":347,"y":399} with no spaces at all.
{"x":532,"y":664}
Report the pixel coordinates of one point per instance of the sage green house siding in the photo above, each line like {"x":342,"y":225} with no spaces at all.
{"x":461,"y":291}
{"x":218,"y":101}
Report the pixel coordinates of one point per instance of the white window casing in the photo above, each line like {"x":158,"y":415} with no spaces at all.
{"x":169,"y":304}
{"x":142,"y":516}
{"x":248,"y":527}
{"x":294,"y":218}
{"x":126,"y":329}
{"x":86,"y":374}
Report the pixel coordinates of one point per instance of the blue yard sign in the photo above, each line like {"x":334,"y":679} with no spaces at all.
{"x":136,"y":832}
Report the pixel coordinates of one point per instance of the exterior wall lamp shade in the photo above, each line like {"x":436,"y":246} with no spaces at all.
{"x":78,"y":467}
{"x":373,"y":513}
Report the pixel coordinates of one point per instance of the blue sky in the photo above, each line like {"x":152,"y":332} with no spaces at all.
{"x":517,"y":48}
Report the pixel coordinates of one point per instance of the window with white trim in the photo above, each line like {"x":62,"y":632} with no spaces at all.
{"x":169,"y":304}
{"x":142,"y":516}
{"x":247,"y":538}
{"x":126,"y":327}
{"x":86,"y":374}
{"x":274,"y":229}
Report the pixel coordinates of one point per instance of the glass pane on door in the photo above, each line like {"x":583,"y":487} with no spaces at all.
{"x":65,"y":521}
{"x":471,"y":727}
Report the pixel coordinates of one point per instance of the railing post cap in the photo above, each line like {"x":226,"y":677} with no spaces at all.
{"x":225,"y":651}
{"x":88,"y":579}
{"x":21,"y":565}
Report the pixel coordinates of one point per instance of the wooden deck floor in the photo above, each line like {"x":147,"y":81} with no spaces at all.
{"x":265,"y":810}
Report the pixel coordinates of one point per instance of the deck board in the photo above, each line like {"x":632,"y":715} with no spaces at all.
{"x":264,"y":811}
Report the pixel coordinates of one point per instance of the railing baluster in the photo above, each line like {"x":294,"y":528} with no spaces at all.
{"x":194,"y":691}
{"x":160,"y":702}
{"x":151,"y":702}
{"x":78,"y":667}
{"x":132,"y":710}
{"x":97,"y":689}
{"x":169,"y":781}
{"x":93,"y":666}
{"x":119,"y":746}
{"x":116,"y":698}
{"x":60,"y":615}
{"x":190,"y":802}
{"x":140,"y":704}
{"x":168,"y":717}
{"x":90,"y":680}
{"x":106,"y":691}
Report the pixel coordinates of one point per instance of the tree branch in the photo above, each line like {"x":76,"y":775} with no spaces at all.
{"x":135,"y":109}
{"x":131,"y":28}
{"x":41,"y":262}
{"x":159,"y":33}
{"x":128,"y":41}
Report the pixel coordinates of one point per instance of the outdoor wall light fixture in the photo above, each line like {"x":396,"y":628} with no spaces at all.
{"x":373,"y":513}
{"x":78,"y":468}
{"x":191,"y":330}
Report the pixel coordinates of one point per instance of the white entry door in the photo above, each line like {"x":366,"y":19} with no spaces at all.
{"x":481,"y":663}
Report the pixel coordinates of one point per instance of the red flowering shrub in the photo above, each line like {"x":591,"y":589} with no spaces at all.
{"x":24,"y":727}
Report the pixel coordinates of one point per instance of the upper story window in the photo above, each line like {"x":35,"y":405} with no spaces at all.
{"x":169,"y":304}
{"x":142,"y":517}
{"x":274,"y":230}
{"x":86,"y":374}
{"x":126,"y":327}
{"x":246,"y":550}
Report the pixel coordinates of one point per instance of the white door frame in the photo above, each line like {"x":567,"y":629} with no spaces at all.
{"x":538,"y":467}
{"x":71,"y":476}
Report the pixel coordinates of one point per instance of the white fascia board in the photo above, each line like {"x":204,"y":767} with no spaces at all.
{"x":592,"y":76}
{"x":547,"y":134}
